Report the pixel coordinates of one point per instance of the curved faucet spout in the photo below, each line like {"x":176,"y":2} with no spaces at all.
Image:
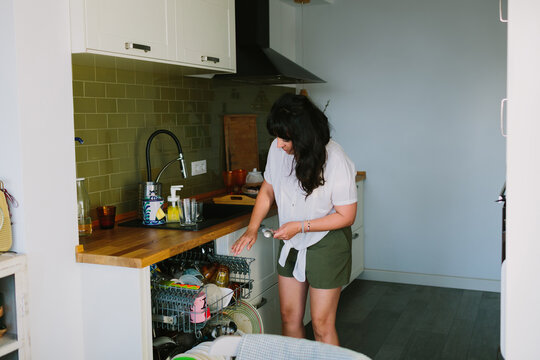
{"x":180,"y":157}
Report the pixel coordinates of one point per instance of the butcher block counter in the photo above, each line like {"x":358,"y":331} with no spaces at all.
{"x":141,"y":247}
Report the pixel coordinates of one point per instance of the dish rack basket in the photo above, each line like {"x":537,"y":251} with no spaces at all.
{"x":173,"y":307}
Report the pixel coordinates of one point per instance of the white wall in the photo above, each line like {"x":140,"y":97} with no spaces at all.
{"x":37,"y":164}
{"x":414,"y":89}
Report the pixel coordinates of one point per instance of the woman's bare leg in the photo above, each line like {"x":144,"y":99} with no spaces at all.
{"x":324,"y":304}
{"x":292,"y":301}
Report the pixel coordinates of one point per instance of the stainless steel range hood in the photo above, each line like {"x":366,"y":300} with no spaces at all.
{"x":256,"y":62}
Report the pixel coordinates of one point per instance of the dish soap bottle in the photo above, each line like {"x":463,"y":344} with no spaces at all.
{"x":83,"y":209}
{"x":173,"y":210}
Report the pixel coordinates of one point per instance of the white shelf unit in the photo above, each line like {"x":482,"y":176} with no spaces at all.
{"x":13,"y":285}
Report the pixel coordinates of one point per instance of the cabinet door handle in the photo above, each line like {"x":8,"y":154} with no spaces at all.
{"x":500,"y":13}
{"x":355,"y":235}
{"x":503,"y":102}
{"x":145,"y":48}
{"x":262,"y":303}
{"x":215,"y":60}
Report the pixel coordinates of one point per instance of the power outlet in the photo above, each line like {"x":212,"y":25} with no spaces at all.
{"x":198,"y":167}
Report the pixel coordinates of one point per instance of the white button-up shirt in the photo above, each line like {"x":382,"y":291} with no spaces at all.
{"x":339,"y":189}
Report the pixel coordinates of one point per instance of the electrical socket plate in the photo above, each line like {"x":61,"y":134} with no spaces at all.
{"x":198,"y":167}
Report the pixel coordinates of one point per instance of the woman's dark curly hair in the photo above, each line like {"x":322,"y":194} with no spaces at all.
{"x":296,"y":118}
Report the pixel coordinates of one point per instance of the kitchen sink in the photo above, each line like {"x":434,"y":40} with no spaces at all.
{"x":213,"y":214}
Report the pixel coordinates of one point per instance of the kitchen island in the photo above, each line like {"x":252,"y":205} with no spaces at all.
{"x":115,"y":278}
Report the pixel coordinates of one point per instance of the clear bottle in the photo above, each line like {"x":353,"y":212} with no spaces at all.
{"x":83,"y":209}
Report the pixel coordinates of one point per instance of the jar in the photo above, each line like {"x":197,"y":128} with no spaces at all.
{"x":222,"y":276}
{"x":254,"y":177}
{"x":209,"y":271}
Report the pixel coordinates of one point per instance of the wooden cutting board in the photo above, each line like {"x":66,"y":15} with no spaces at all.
{"x":241,"y":147}
{"x":235,"y":200}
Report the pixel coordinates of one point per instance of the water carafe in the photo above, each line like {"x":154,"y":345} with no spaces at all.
{"x":83,"y":209}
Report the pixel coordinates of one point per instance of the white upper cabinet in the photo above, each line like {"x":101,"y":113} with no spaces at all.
{"x":136,"y":28}
{"x":206,"y":33}
{"x":197,"y":33}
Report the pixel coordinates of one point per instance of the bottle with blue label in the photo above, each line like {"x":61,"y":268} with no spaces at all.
{"x":152,"y":205}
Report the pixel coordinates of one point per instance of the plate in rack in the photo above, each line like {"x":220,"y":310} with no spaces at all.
{"x":247,"y":318}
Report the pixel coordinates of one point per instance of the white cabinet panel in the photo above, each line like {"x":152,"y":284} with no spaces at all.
{"x":357,"y":253}
{"x":265,"y":252}
{"x":147,"y":26}
{"x":205,"y":33}
{"x":359,"y":220}
{"x":358,"y":234}
{"x":268,"y":307}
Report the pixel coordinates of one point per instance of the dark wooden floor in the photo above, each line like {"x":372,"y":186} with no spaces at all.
{"x":401,"y":321}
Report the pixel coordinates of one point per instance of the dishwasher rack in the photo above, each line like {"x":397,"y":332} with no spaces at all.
{"x":173,"y":306}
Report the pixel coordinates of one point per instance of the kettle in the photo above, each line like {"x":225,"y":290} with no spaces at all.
{"x":254,"y":177}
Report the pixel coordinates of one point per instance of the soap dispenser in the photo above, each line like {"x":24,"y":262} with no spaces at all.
{"x":173,"y":210}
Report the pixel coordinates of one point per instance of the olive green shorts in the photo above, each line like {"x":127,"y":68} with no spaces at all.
{"x":328,"y":262}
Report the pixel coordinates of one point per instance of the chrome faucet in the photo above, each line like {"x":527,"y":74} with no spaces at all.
{"x":180,"y":157}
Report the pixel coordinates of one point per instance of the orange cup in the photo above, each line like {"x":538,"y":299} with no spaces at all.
{"x":239,"y":176}
{"x":228,"y":180}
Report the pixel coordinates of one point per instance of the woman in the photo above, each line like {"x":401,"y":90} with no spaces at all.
{"x":313,"y":183}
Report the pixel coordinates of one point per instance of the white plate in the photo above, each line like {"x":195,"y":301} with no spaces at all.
{"x":247,"y":318}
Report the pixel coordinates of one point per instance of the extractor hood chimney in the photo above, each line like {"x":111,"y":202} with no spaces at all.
{"x":256,"y":62}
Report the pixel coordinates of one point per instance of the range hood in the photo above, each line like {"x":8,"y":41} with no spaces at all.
{"x":256,"y":62}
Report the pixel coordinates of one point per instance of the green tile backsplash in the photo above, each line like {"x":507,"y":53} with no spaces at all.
{"x":119,"y":102}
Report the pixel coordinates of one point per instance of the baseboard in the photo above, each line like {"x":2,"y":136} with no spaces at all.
{"x":431,"y":280}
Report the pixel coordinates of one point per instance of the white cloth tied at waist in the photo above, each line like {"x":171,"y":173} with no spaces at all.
{"x":300,"y":242}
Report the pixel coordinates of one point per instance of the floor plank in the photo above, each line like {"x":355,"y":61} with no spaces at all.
{"x":400,"y":321}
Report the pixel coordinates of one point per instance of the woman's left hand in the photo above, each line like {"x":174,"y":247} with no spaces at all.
{"x":288,"y":230}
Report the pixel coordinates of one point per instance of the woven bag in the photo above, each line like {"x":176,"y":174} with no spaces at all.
{"x":5,"y":222}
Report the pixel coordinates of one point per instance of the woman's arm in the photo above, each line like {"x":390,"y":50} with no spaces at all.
{"x":264,"y":201}
{"x":343,"y":217}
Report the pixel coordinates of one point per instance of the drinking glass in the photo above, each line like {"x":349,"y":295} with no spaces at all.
{"x":239,"y":176}
{"x":228,"y":180}
{"x":106,"y":216}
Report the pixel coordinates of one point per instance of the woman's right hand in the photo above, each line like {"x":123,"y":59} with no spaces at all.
{"x":247,"y":239}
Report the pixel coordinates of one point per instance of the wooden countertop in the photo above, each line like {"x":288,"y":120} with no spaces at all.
{"x":141,"y":247}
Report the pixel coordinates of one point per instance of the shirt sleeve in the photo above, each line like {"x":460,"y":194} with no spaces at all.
{"x":270,"y":163}
{"x":343,"y":174}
